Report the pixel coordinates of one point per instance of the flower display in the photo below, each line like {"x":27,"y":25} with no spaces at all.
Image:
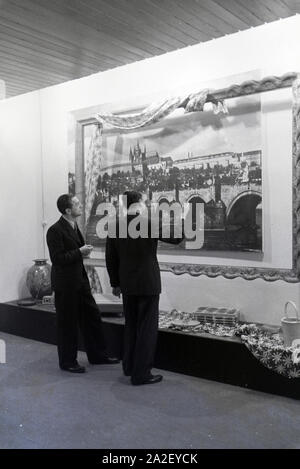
{"x":265,"y":344}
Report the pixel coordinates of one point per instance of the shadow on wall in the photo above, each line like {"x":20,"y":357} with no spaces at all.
{"x":23,"y":291}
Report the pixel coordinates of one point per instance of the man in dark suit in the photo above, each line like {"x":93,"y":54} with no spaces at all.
{"x":74,"y":303}
{"x":134,"y":271}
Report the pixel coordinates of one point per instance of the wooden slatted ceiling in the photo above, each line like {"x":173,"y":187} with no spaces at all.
{"x":45,"y":42}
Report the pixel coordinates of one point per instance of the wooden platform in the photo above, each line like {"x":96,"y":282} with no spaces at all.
{"x":203,"y":355}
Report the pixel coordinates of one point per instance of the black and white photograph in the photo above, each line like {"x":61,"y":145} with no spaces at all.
{"x":149,"y":230}
{"x":199,"y":158}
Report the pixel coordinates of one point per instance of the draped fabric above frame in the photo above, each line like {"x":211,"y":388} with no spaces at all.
{"x":152,"y":114}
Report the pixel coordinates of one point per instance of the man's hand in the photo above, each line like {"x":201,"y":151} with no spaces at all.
{"x":86,"y":250}
{"x":116,"y":291}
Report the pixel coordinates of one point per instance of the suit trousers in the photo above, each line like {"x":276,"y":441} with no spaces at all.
{"x":77,"y":310}
{"x":141,"y":327}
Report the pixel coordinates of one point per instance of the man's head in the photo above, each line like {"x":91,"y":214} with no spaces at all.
{"x":132,"y":197}
{"x":69,"y":205}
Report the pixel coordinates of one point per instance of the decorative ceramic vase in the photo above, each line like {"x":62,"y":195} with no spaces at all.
{"x":38,"y":279}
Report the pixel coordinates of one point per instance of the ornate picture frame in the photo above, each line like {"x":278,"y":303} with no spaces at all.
{"x":291,"y":275}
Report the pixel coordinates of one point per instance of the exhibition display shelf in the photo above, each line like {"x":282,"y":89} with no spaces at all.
{"x":223,"y":359}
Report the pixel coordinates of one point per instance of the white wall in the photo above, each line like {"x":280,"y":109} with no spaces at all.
{"x":272,"y":49}
{"x":21,"y":234}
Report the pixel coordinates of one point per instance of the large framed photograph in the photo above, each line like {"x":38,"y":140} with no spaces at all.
{"x":232,"y":163}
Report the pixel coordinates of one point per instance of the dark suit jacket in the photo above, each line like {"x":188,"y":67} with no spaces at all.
{"x":67,"y":271}
{"x":132,"y":264}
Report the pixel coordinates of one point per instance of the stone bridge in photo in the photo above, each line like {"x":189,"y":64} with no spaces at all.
{"x":230,"y":194}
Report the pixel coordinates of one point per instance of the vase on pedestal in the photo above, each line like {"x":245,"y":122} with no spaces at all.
{"x":38,"y":279}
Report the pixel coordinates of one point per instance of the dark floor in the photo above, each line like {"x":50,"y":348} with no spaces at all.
{"x":43,"y":407}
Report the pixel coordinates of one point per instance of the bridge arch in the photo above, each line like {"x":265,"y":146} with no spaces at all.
{"x":163,"y":199}
{"x":249,"y":193}
{"x":198,"y":195}
{"x":244,"y":221}
{"x":193,"y":200}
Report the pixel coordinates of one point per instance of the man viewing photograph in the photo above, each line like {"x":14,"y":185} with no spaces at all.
{"x":134,"y":272}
